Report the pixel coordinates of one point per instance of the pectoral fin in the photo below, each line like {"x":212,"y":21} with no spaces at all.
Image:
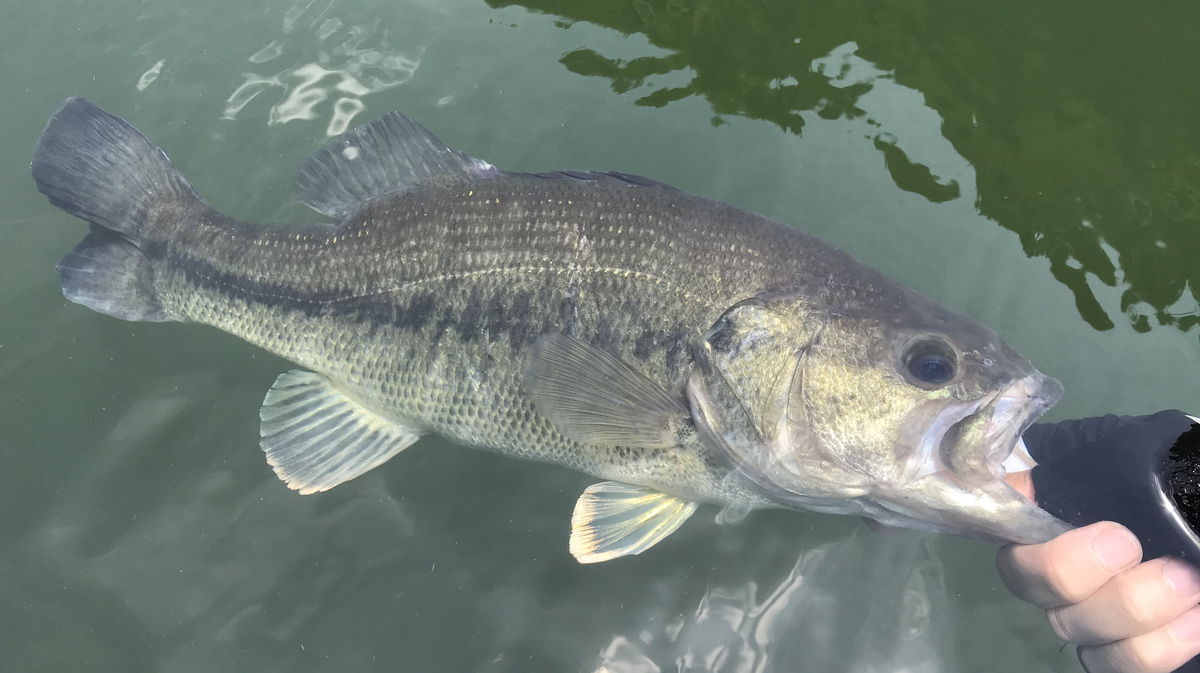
{"x":316,"y":437}
{"x":594,"y":398}
{"x":613,"y":519}
{"x":733,"y":513}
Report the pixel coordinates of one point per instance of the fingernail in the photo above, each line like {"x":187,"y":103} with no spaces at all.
{"x":1186,"y":629}
{"x":1183,"y":578}
{"x":1116,"y":548}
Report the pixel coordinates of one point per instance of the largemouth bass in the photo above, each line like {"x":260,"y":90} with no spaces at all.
{"x":684,"y":350}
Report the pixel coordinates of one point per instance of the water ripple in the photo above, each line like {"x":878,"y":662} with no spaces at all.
{"x":150,"y":75}
{"x":859,"y":603}
{"x":339,"y":61}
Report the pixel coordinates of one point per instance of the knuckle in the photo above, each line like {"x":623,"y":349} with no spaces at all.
{"x":1139,"y":606}
{"x":1138,"y":654}
{"x":1059,"y":625}
{"x":1062,"y":579}
{"x":1020,"y":570}
{"x":1118,"y":657}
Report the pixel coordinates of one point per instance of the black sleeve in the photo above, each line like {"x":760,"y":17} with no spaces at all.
{"x":1046,"y":440}
{"x":1111,"y":468}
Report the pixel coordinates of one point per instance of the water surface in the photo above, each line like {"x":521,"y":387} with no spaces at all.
{"x":1031,"y":165}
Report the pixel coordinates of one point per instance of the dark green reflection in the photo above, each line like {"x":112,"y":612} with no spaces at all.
{"x":1080,"y":120}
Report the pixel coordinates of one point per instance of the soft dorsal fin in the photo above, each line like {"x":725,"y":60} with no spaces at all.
{"x":594,"y":398}
{"x":612,"y":519}
{"x":316,"y":438}
{"x":389,"y":154}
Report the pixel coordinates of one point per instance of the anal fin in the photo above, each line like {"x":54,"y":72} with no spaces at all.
{"x":316,"y":437}
{"x":613,"y":520}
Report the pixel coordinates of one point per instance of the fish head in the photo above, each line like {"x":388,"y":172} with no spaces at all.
{"x":905,"y":413}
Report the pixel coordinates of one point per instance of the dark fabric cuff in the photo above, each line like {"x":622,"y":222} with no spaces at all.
{"x":1047,"y":441}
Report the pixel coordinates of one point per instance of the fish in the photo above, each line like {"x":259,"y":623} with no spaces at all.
{"x":682,"y":350}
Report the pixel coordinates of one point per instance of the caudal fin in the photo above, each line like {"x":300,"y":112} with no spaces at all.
{"x":100,"y":168}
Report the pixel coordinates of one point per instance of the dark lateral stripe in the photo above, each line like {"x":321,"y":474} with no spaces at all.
{"x":489,"y":318}
{"x":204,"y":275}
{"x":503,"y":315}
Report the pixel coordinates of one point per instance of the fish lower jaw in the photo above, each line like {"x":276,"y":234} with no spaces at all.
{"x":992,"y":512}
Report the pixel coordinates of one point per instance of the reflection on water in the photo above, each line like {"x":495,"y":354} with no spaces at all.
{"x":347,"y":62}
{"x":166,"y":574}
{"x":740,"y":625}
{"x":1098,"y":174}
{"x":150,"y":75}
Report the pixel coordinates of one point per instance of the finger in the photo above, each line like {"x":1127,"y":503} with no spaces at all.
{"x":1070,"y":567}
{"x":1159,"y":651}
{"x":1022,"y":482}
{"x":1136,"y":601}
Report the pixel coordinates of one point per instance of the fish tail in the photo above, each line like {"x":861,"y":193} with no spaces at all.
{"x":100,"y":168}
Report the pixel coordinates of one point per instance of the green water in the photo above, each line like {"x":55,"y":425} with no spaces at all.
{"x":1035,"y":165}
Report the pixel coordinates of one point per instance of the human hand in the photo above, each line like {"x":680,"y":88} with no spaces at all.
{"x":1125,"y":616}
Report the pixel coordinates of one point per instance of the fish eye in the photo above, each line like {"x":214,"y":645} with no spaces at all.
{"x":931,"y":361}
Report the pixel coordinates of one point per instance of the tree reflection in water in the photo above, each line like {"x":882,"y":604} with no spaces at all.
{"x":1081,"y":127}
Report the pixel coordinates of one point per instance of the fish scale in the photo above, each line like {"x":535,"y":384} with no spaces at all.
{"x":436,"y":333}
{"x":687,"y":350}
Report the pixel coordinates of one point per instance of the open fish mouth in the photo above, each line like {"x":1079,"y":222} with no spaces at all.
{"x":977,"y":442}
{"x":960,"y":485}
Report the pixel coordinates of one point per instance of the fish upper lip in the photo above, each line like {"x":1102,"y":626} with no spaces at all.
{"x":1010,"y":412}
{"x":1021,"y":404}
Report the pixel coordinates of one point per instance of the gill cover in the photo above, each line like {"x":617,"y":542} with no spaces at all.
{"x":746,"y":394}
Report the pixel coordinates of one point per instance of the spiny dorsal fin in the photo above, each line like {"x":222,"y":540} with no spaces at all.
{"x":594,"y":398}
{"x":316,"y":438}
{"x":613,"y":519}
{"x":387,"y":155}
